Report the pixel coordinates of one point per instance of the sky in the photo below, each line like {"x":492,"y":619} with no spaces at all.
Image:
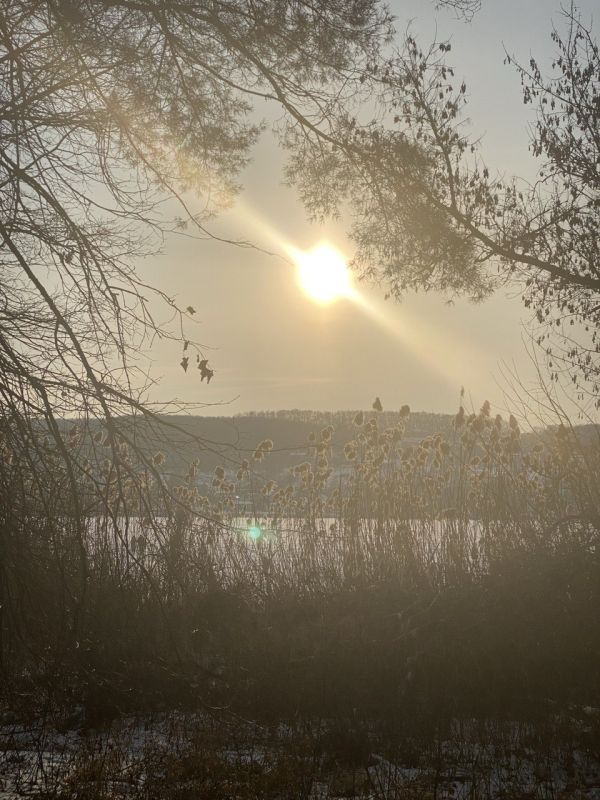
{"x":273,"y":347}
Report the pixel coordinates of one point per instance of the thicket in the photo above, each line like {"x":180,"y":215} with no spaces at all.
{"x":455,"y":578}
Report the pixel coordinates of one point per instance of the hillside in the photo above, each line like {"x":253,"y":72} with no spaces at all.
{"x":226,"y":440}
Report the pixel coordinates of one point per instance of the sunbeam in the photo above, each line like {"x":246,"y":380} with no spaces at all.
{"x":324,"y":276}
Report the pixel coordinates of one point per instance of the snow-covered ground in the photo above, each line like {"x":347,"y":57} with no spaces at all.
{"x":123,"y":761}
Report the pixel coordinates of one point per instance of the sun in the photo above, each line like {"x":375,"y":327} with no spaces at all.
{"x":323,"y":274}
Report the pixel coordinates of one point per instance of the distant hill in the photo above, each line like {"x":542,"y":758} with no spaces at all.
{"x":226,"y":440}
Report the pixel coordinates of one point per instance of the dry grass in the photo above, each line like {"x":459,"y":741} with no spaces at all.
{"x":456,"y":579}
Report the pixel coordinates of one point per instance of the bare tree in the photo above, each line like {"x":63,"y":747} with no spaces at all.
{"x":463,"y":8}
{"x":429,"y":214}
{"x":108,"y":109}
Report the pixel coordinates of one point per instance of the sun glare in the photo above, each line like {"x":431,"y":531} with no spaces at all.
{"x":323,"y":274}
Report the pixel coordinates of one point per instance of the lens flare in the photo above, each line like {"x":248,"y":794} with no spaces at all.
{"x":254,"y":532}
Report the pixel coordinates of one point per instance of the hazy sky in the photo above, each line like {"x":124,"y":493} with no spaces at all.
{"x":272,"y":347}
